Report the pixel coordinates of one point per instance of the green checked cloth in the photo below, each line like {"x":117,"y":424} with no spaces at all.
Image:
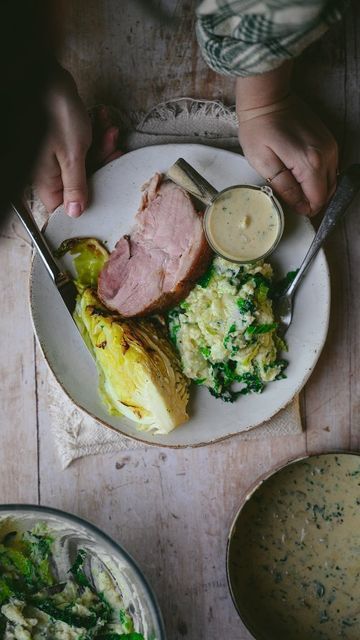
{"x":248,"y":37}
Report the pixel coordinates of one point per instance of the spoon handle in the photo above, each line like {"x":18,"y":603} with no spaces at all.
{"x":347,"y":187}
{"x":184,"y":175}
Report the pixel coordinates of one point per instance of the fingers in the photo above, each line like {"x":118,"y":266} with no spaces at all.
{"x":73,"y":174}
{"x":315,"y":187}
{"x":283,"y":182}
{"x":314,"y":182}
{"x":290,"y":191}
{"x":48,"y":183}
{"x":307,"y":187}
{"x":62,"y":179}
{"x":104,"y":149}
{"x":318,"y":179}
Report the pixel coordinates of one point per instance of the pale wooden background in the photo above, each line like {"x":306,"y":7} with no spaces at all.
{"x":172,"y":509}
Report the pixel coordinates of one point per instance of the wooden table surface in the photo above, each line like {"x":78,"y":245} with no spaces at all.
{"x":172,"y":509}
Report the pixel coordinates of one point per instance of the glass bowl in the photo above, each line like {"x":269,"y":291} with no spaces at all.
{"x":74,"y":534}
{"x":266,"y":191}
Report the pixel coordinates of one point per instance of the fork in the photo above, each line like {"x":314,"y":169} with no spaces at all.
{"x":347,"y":187}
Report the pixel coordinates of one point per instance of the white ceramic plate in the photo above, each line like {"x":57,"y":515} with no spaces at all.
{"x":115,"y":199}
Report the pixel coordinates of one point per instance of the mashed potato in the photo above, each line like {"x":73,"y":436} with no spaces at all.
{"x":225,"y":330}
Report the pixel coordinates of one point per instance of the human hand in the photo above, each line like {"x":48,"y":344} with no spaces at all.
{"x":294,"y":151}
{"x":285,"y":141}
{"x":60,"y":174}
{"x":68,"y":150}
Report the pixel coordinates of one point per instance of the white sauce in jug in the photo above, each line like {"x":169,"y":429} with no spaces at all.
{"x":242,"y":224}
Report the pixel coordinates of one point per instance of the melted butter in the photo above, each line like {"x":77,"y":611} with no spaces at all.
{"x":242,"y":224}
{"x":294,"y":558}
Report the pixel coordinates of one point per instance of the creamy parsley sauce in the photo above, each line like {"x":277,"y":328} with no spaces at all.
{"x":294,"y":556}
{"x":242,"y":224}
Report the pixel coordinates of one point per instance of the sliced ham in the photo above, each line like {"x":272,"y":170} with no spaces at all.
{"x":156,"y":266}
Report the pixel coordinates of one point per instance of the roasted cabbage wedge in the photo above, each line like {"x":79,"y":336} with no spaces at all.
{"x":140,"y":374}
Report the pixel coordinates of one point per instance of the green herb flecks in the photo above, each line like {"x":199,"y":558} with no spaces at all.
{"x":77,"y":571}
{"x":252,"y":383}
{"x":262,"y":293}
{"x":174,"y":323}
{"x":246,"y":305}
{"x":126,"y":621}
{"x":39,"y":549}
{"x":257,"y":329}
{"x":103,"y":609}
{"x":258,"y":279}
{"x":206,"y":278}
{"x":65,"y":614}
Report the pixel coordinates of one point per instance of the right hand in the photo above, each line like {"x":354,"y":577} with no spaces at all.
{"x":71,"y":147}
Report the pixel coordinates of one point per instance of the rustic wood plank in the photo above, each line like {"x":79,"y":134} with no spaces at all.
{"x":352,"y":226}
{"x":18,"y":450}
{"x":121,"y":55}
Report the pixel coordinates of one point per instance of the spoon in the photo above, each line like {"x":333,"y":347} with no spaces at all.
{"x":347,"y":187}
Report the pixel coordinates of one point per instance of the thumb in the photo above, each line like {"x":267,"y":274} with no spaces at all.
{"x":73,"y":175}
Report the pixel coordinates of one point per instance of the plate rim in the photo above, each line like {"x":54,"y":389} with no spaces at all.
{"x":134,"y":436}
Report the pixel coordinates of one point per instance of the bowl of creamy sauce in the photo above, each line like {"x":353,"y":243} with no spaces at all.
{"x":244,"y":223}
{"x":293,"y":557}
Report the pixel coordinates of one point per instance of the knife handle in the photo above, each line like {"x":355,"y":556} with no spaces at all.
{"x":23,"y":212}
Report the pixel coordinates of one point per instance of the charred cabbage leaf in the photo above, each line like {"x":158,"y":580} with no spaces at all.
{"x":139,"y":371}
{"x":89,"y":258}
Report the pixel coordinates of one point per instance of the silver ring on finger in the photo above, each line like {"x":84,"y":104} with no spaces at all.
{"x":269,"y":180}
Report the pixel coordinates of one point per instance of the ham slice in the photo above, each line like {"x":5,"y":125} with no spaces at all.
{"x":156,"y":266}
